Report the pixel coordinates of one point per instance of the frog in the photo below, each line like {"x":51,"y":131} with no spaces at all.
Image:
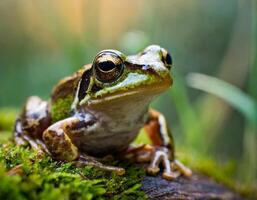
{"x":108,"y":106}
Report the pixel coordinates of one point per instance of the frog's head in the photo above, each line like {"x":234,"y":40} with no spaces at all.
{"x":114,"y":76}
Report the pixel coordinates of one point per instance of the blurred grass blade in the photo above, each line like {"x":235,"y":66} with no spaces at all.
{"x":186,"y":113}
{"x":249,"y":161}
{"x":231,"y":94}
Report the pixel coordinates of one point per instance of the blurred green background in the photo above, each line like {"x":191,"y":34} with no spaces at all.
{"x":43,"y":41}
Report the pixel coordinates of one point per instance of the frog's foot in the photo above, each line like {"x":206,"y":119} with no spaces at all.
{"x":140,"y":153}
{"x":31,"y":123}
{"x":36,"y":144}
{"x":177,"y":165}
{"x":84,"y":160}
{"x":171,"y":169}
{"x":159,"y":156}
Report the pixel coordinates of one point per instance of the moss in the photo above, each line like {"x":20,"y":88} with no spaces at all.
{"x":60,"y":109}
{"x":43,"y":178}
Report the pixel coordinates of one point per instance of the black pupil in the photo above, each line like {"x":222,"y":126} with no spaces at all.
{"x":106,"y":66}
{"x":168,"y":59}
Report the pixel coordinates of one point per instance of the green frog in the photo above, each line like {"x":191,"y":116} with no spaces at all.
{"x":99,"y":111}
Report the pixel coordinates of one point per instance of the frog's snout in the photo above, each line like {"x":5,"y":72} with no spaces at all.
{"x":162,"y":54}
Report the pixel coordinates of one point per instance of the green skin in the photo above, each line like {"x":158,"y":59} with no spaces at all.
{"x":99,"y":111}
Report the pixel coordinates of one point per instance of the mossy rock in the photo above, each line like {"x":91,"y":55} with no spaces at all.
{"x":40,"y":177}
{"x":26,"y":175}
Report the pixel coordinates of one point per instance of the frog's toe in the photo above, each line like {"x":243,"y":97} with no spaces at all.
{"x":170,"y":175}
{"x":171,"y":169}
{"x":85,"y":160}
{"x":20,"y":141}
{"x":142,"y":153}
{"x":143,"y":157}
{"x":36,"y":144}
{"x":181,"y":168}
{"x":153,"y":170}
{"x":160,"y":156}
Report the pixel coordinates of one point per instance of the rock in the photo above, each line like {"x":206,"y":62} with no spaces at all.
{"x":196,"y":187}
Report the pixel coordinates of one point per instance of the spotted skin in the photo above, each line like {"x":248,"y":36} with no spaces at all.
{"x":31,"y":123}
{"x":110,"y":105}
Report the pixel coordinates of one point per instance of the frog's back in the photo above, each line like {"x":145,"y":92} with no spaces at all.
{"x":63,"y":95}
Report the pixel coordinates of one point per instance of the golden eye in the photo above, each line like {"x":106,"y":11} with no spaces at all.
{"x":166,"y":58}
{"x":108,"y":66}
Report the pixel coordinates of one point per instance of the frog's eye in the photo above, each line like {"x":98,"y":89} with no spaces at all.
{"x":166,"y":58}
{"x":108,"y":66}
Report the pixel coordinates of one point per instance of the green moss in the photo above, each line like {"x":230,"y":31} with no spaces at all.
{"x":60,"y":109}
{"x":43,"y":178}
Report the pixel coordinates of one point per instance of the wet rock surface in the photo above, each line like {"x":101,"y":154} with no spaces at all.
{"x":197,"y":187}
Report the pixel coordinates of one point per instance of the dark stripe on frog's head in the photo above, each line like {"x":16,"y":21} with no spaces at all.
{"x":84,"y":84}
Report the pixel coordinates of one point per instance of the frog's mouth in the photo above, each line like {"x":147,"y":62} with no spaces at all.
{"x":148,"y":90}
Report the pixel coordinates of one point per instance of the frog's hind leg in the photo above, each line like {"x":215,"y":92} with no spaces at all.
{"x":31,"y":123}
{"x":61,"y":140}
{"x":164,"y":151}
{"x":161,"y":152}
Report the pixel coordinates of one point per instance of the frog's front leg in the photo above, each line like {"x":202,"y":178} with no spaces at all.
{"x":59,"y":141}
{"x":162,"y":150}
{"x":31,"y":123}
